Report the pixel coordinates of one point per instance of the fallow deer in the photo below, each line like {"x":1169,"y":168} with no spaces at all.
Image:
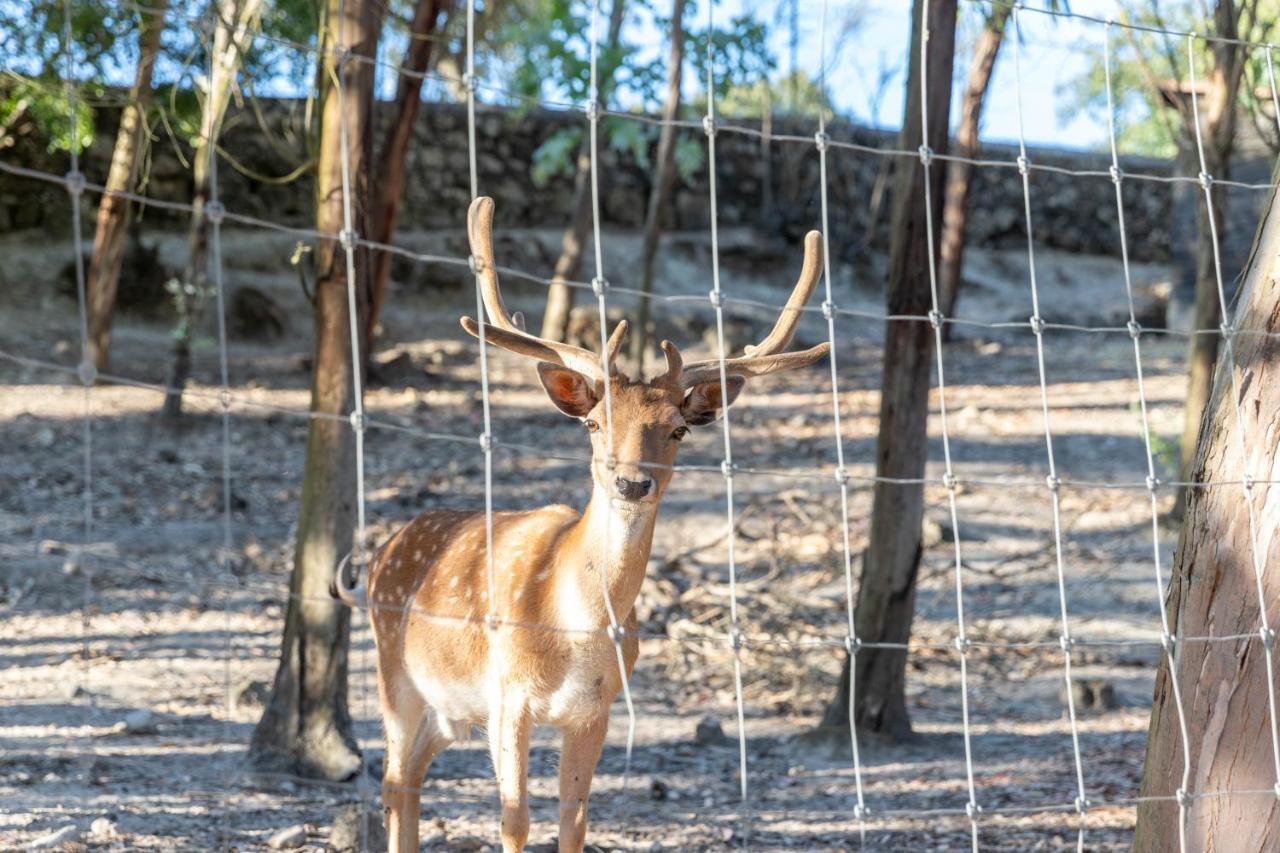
{"x":547,"y":655}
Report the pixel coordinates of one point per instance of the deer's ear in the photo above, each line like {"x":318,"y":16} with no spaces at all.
{"x":704,"y":402}
{"x":572,"y":393}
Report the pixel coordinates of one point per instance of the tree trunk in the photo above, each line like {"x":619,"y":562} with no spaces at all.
{"x":955,"y":211}
{"x":230,"y":37}
{"x":555,"y":319}
{"x":393,"y":156}
{"x":1219,"y":110}
{"x":1214,"y":591}
{"x":306,"y":728}
{"x":886,"y":599}
{"x":112,"y":230}
{"x":663,"y":181}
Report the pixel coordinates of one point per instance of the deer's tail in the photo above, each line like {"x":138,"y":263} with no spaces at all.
{"x":350,"y":593}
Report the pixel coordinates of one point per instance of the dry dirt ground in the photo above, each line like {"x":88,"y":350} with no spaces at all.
{"x":147,"y":620}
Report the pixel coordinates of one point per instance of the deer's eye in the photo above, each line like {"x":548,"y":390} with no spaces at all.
{"x":680,"y":433}
{"x":591,"y":425}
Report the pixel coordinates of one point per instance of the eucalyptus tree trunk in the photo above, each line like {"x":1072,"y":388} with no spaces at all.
{"x":955,"y":211}
{"x":306,"y":727}
{"x":112,"y":231}
{"x":887,"y":591}
{"x":232,"y":31}
{"x":1214,"y":592}
{"x":663,"y":180}
{"x":1219,"y":109}
{"x":395,"y":148}
{"x":555,"y":319}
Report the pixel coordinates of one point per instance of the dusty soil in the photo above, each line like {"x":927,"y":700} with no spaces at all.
{"x":147,"y":620}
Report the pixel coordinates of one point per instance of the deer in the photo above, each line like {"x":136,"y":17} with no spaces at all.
{"x":446,"y":662}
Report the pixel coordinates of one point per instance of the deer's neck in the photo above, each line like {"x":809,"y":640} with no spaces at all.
{"x":608,"y":547}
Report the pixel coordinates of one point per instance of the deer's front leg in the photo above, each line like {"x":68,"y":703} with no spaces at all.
{"x":509,"y":726}
{"x":578,"y":759}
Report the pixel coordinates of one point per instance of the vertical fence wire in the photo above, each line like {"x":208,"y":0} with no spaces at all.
{"x":726,"y":466}
{"x":348,"y":240}
{"x":1168,"y":641}
{"x":87,"y":371}
{"x":852,"y":643}
{"x":963,"y":644}
{"x":1037,"y":327}
{"x":600,"y":286}
{"x":1265,"y":633}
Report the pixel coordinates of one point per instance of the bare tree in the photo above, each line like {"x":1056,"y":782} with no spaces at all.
{"x":234,"y":21}
{"x":112,"y":229}
{"x":955,"y":211}
{"x":1224,"y":686}
{"x":395,"y":148}
{"x":306,"y":727}
{"x":887,"y":592}
{"x":663,"y":180}
{"x":555,"y":319}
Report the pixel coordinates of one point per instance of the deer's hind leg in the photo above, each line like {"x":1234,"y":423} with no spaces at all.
{"x":415,"y":736}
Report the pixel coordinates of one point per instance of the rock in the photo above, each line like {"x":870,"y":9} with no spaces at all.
{"x":1092,"y":696}
{"x":252,"y":694}
{"x":347,"y":834}
{"x":103,"y":829}
{"x":709,"y":733}
{"x":140,"y":722}
{"x":288,"y":838}
{"x":658,"y":790}
{"x":71,"y":568}
{"x":45,"y":437}
{"x":57,"y":838}
{"x":254,"y":315}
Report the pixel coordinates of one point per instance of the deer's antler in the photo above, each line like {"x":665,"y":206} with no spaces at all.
{"x":506,"y":332}
{"x":769,"y":355}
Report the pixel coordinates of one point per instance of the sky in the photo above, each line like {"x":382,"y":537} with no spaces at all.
{"x":1053,"y":52}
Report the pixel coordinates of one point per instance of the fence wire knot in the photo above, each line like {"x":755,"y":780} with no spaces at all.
{"x":486,"y":442}
{"x":1117,"y":174}
{"x":1024,"y":165}
{"x":87,"y":372}
{"x":709,"y":124}
{"x":1267,"y":635}
{"x":1205,"y":179}
{"x":357,"y":421}
{"x":1067,"y":642}
{"x":926,"y":155}
{"x":852,"y":645}
{"x":592,"y":109}
{"x":224,"y":397}
{"x":1183,"y":798}
{"x":736,"y":640}
{"x":828,"y":309}
{"x":1082,"y":805}
{"x":215,"y":212}
{"x":972,"y":810}
{"x":347,"y":239}
{"x":470,"y":82}
{"x":1226,"y":330}
{"x":1247,"y":481}
{"x":1037,"y":324}
{"x":599,"y":286}
{"x":1168,"y":642}
{"x":611,"y":463}
{"x":963,"y":645}
{"x":717,"y":299}
{"x":821,"y":139}
{"x":936,"y":319}
{"x":1054,"y":484}
{"x":726,"y":468}
{"x":842,"y":475}
{"x":1153,"y":483}
{"x":949,"y":481}
{"x":1135,"y":329}
{"x":74,"y":182}
{"x":614,"y":633}
{"x":861,"y":812}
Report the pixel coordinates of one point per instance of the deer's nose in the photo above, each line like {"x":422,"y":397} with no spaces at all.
{"x":633,"y":490}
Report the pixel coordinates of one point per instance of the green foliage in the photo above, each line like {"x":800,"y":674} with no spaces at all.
{"x":44,"y":104}
{"x":555,"y":156}
{"x":793,"y":94}
{"x":690,"y":155}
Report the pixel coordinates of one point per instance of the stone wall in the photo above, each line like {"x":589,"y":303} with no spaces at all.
{"x":1073,"y":213}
